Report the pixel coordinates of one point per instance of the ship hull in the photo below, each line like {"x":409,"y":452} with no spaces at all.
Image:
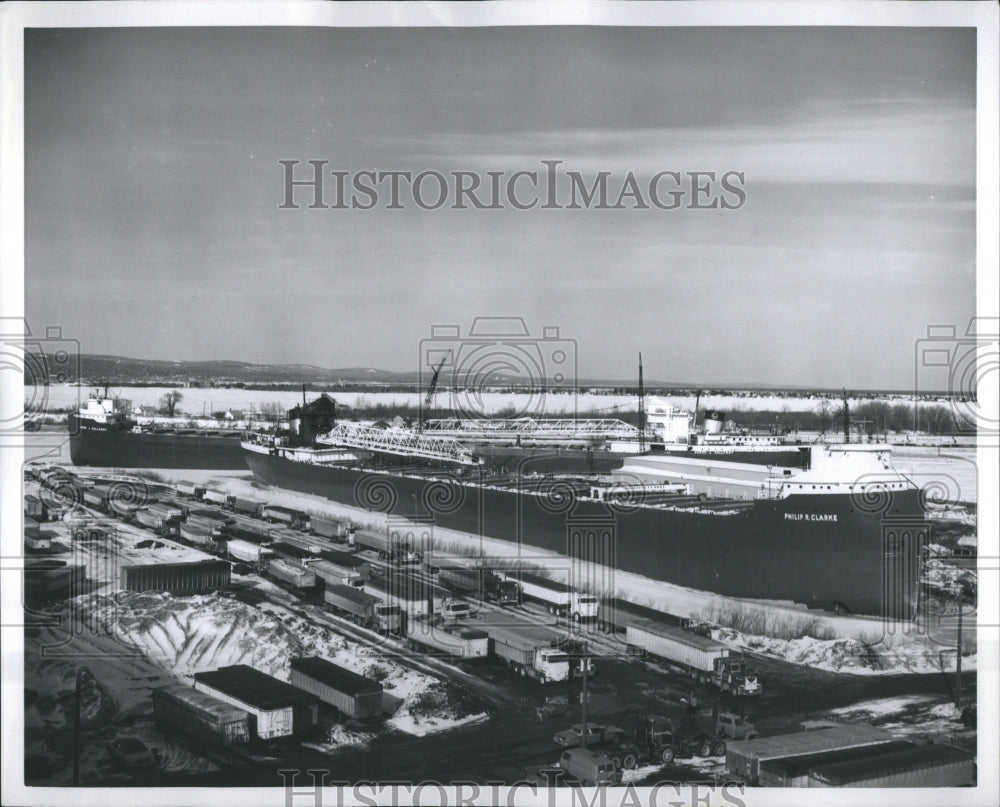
{"x":823,"y":551}
{"x":115,"y":448}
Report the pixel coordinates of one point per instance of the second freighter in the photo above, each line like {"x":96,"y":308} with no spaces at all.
{"x":844,"y":531}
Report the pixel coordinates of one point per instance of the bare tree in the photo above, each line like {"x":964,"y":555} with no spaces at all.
{"x":168,"y":403}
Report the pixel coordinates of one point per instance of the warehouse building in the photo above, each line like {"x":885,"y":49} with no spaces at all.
{"x":193,"y":577}
{"x":276,"y":709}
{"x":46,"y":580}
{"x":349,"y":693}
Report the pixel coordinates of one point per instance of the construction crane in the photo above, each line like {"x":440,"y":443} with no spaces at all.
{"x":431,"y":389}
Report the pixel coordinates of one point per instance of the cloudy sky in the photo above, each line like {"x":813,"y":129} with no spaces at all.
{"x":153,"y":193}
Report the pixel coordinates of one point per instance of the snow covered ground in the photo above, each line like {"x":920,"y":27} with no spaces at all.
{"x":845,"y":653}
{"x":199,"y":400}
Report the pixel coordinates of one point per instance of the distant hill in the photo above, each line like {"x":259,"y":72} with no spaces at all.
{"x":100,"y":369}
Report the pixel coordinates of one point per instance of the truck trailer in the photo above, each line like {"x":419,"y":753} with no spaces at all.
{"x":335,"y":574}
{"x":190,"y":490}
{"x":935,"y":765}
{"x":704,"y":659}
{"x":241,"y":504}
{"x":527,"y":649}
{"x":328,"y":527}
{"x":744,"y":757}
{"x":156,"y":521}
{"x":200,"y":715}
{"x":284,"y":515}
{"x":215,"y":497}
{"x":349,"y":693}
{"x":558,"y":598}
{"x":444,"y":638}
{"x":481,"y":584}
{"x":362,"y":608}
{"x":412,"y":594}
{"x":394,"y":549}
{"x":247,"y":552}
{"x":299,"y":577}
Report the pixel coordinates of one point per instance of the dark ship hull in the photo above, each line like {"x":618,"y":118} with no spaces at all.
{"x":824,"y":551}
{"x":119,"y":448}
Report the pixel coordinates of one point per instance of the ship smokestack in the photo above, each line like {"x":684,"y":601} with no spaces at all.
{"x":847,"y":419}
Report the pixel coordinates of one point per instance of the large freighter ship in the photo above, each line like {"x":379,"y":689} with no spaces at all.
{"x":842,"y":532}
{"x":104,"y":434}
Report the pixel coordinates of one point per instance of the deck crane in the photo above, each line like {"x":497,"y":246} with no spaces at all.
{"x":431,"y":389}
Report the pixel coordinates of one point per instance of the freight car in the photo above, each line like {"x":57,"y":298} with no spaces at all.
{"x":704,"y":659}
{"x":744,"y":757}
{"x":349,"y":693}
{"x":276,"y":709}
{"x":195,"y":577}
{"x":447,"y":638}
{"x":362,"y":608}
{"x":200,"y":715}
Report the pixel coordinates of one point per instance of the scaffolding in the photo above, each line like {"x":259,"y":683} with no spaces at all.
{"x":400,"y":442}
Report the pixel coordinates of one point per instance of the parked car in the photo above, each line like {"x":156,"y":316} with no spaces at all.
{"x":597,"y":734}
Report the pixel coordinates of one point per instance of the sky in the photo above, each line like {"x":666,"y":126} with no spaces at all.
{"x":153,"y":193}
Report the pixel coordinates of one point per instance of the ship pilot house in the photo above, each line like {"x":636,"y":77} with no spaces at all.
{"x":313,"y":419}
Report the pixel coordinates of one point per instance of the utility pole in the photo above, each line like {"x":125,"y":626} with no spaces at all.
{"x":642,"y":413}
{"x":76,"y":731}
{"x":583,"y":696}
{"x":958,"y":659}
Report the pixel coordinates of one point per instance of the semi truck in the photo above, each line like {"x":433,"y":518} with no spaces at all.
{"x":393,"y":549}
{"x":413,"y":595}
{"x":482,"y":584}
{"x":362,"y":608}
{"x":704,"y":659}
{"x":447,"y":638}
{"x":155,"y":520}
{"x":295,"y":519}
{"x":190,"y":490}
{"x":529,"y":650}
{"x":558,"y":598}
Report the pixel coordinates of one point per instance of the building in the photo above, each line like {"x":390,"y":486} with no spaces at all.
{"x":276,"y":709}
{"x":192,"y":577}
{"x":350,"y":693}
